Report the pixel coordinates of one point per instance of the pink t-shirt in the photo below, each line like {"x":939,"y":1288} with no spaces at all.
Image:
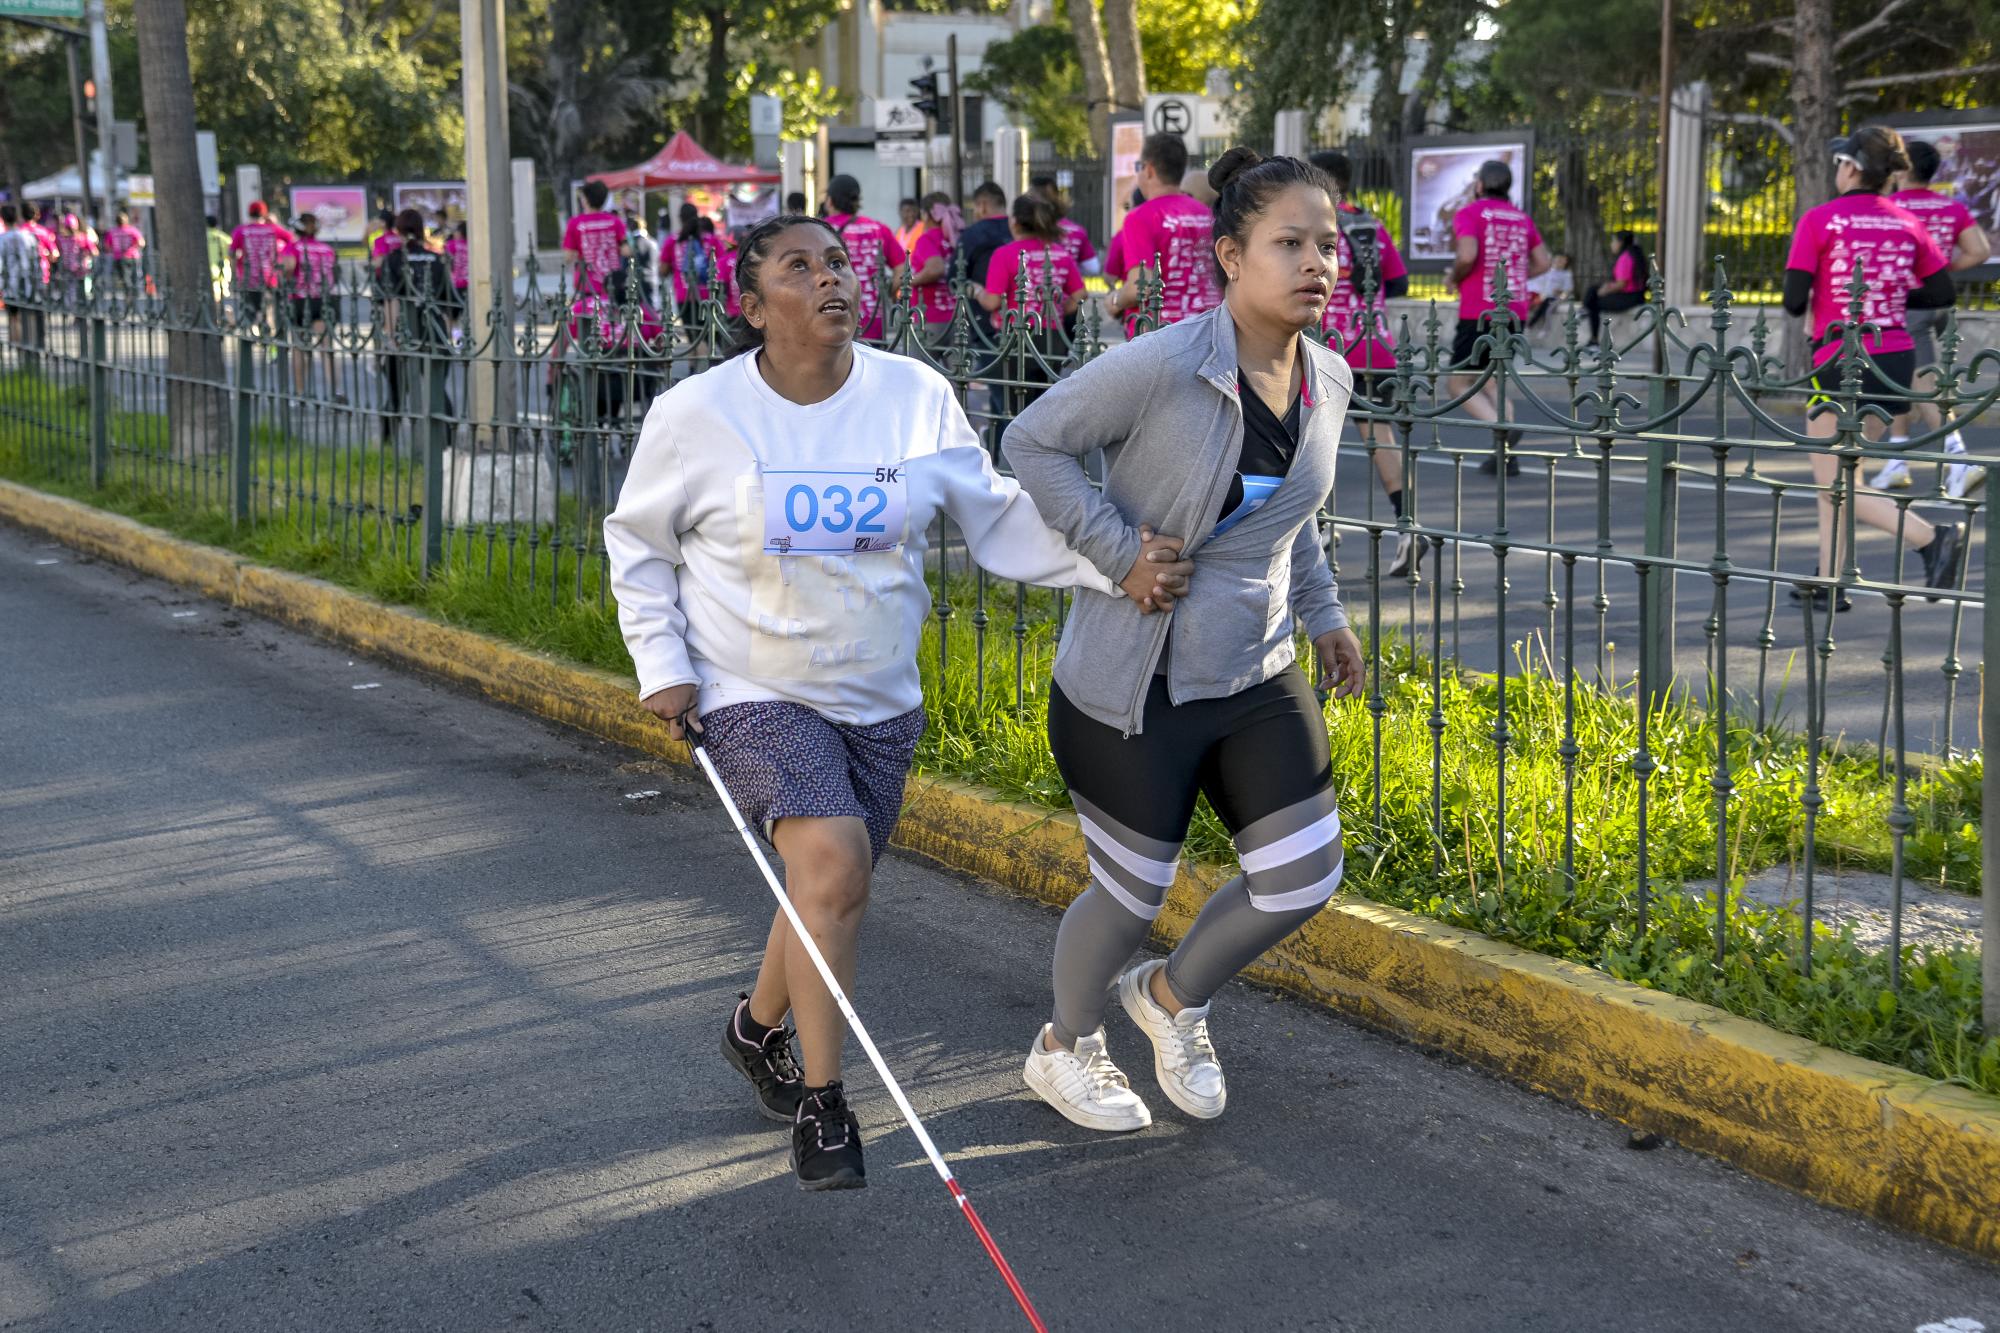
{"x":606,"y":323}
{"x":934,"y":298}
{"x":1943,"y":216}
{"x":1114,"y":257}
{"x":1625,"y":271}
{"x":873,"y":250}
{"x":1176,"y":232}
{"x":74,"y":252}
{"x":458,"y":249}
{"x":1077,"y":241}
{"x":315,"y":262}
{"x":45,"y":244}
{"x":1506,"y":236}
{"x":670,"y":263}
{"x":124,"y":242}
{"x":1048,"y":266}
{"x":1344,"y":321}
{"x":256,"y":246}
{"x":1891,"y":247}
{"x":594,"y":239}
{"x":726,"y":275}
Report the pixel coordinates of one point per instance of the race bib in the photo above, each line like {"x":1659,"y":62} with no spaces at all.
{"x":847,"y":512}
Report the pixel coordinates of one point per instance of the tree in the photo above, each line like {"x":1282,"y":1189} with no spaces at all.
{"x":1036,"y":76}
{"x":196,"y":408}
{"x":1313,"y":54}
{"x":1121,"y":43}
{"x":1095,"y":63}
{"x":732,"y":35}
{"x":587,"y":87}
{"x":1184,"y":39}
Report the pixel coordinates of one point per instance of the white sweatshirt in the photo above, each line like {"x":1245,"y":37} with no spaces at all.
{"x":703,"y":598}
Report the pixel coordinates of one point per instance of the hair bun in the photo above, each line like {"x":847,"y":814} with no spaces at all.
{"x":1230,"y":165}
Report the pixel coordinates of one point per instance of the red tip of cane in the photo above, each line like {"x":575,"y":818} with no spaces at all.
{"x":999,"y":1259}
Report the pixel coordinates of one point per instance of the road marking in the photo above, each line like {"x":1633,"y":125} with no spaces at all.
{"x":371,"y":685}
{"x":641,"y":795}
{"x":185,"y":615}
{"x":48,"y":562}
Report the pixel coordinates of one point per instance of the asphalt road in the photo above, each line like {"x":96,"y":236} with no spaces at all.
{"x":330,"y":1007}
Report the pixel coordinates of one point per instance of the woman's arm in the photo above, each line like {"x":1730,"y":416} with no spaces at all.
{"x":642,"y":539}
{"x":1098,"y":406}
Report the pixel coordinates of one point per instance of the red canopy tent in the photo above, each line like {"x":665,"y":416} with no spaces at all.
{"x":684,"y":162}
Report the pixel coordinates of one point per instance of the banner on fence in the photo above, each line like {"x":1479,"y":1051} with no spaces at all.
{"x":1968,"y":144}
{"x":1444,"y":177}
{"x":342,"y":211}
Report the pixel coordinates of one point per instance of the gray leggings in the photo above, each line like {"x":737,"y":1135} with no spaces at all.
{"x":1261,"y":758}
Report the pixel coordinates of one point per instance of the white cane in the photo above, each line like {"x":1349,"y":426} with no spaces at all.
{"x":867,"y":1043}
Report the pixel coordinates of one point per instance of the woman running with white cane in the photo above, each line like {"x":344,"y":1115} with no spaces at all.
{"x":1223,"y":426}
{"x":767,"y":554}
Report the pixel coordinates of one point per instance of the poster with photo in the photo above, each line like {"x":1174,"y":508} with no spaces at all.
{"x":1128,"y":137}
{"x":342,"y":211}
{"x":1444,"y":177}
{"x":1968,"y":144}
{"x":431,"y":198}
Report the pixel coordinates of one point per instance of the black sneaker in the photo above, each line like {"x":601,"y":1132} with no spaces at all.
{"x":1819,"y":599}
{"x":1490,"y":467}
{"x":1943,"y":557}
{"x":767,"y":1064}
{"x":826,"y":1142}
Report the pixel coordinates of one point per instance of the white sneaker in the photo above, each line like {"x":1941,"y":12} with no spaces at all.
{"x":1409,"y":552}
{"x":1183,"y":1058}
{"x":1960,"y":478}
{"x":1894,"y":476}
{"x":1084,"y":1085}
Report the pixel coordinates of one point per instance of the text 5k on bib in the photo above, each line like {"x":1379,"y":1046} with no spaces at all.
{"x":847,"y":511}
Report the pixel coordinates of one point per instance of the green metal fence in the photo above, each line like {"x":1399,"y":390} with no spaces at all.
{"x":1615,"y":669}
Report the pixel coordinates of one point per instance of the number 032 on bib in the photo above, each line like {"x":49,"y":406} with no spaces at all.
{"x":838,"y":512}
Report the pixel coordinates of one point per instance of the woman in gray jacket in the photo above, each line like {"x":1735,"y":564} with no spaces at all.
{"x":1223,"y":427}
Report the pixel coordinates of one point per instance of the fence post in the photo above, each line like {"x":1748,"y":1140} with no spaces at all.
{"x":100,"y":404}
{"x":1989,"y":785}
{"x":437,"y":412}
{"x":240,"y":451}
{"x":1656,"y":650}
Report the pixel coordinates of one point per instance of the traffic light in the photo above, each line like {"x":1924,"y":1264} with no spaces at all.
{"x":90,"y":98}
{"x":925,"y":90}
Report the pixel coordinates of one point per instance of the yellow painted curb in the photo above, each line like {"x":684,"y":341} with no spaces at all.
{"x":1847,"y":1131}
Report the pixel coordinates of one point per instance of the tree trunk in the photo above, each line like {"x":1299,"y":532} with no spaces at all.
{"x":1417,"y":106}
{"x":1815,"y":101}
{"x":1128,"y":62}
{"x":1096,"y":71}
{"x":197,"y":406}
{"x":1583,"y":217}
{"x":715,"y":89}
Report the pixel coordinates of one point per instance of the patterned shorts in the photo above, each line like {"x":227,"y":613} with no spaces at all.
{"x":784,"y":761}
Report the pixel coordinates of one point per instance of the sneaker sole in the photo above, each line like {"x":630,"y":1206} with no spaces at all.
{"x":1075,"y":1115}
{"x":729,"y":1053}
{"x":1898,"y":483}
{"x":1974,"y":480}
{"x":1129,"y":998}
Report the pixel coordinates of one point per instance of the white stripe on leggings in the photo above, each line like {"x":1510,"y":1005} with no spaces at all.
{"x":1145,"y":867}
{"x":1312,"y":895}
{"x":1112,"y":887}
{"x":1320,"y":833}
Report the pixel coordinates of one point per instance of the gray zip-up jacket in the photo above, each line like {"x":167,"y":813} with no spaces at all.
{"x":1164,"y":408}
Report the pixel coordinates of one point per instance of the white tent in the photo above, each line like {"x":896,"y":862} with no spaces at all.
{"x":65,"y":185}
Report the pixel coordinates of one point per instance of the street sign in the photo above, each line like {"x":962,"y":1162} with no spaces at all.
{"x":139,"y":191}
{"x":899,"y":133}
{"x":1171,"y":113}
{"x":43,"y":9}
{"x":767,"y":114}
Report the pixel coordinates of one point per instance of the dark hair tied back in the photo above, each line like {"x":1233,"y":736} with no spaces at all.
{"x":750,"y":257}
{"x":1245,"y":182}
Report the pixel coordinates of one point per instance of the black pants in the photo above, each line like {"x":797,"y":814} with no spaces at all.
{"x":1597,"y":305}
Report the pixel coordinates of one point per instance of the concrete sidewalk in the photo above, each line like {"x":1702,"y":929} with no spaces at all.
{"x":334,"y":1008}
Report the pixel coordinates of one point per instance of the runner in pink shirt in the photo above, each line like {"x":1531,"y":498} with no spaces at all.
{"x":1037,"y":258}
{"x":1861,"y":232}
{"x":1370,"y":271}
{"x":45,"y":238}
{"x":872,"y":247}
{"x":125,"y":244}
{"x":1624,"y":290}
{"x":930,"y":263}
{"x":1492,"y":239}
{"x":255,"y":246}
{"x":1075,"y":239}
{"x":76,"y":246}
{"x":1964,"y":245}
{"x":597,"y":239}
{"x":1172,"y":233}
{"x":309,"y":267}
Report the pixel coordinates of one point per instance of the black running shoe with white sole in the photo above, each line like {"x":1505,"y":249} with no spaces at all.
{"x":767,"y":1063}
{"x":1943,"y":557}
{"x":826,"y":1142}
